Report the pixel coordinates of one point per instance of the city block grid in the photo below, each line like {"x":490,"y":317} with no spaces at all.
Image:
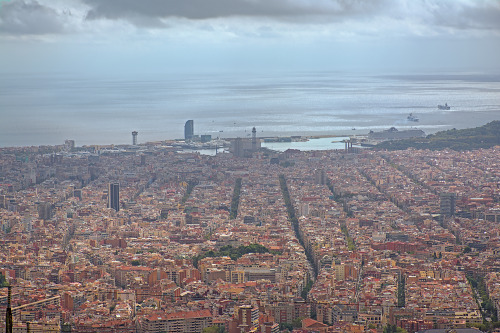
{"x":153,"y":240}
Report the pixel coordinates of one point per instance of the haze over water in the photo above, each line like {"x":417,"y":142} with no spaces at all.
{"x":47,"y":109}
{"x":96,"y":70}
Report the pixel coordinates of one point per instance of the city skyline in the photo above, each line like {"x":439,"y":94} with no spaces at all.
{"x":349,"y":240}
{"x":334,"y":181}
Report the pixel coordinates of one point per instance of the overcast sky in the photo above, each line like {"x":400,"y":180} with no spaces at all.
{"x":147,"y":36}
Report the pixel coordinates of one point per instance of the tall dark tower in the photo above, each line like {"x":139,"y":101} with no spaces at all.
{"x":189,"y":130}
{"x":114,"y":196}
{"x":447,"y":203}
{"x":319,"y":177}
{"x":8,"y":312}
{"x":45,"y":210}
{"x":238,"y":147}
{"x":134,"y":138}
{"x":254,"y":139}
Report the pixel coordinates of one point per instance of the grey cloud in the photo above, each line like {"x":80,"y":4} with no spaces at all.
{"x":20,"y":17}
{"x":457,"y":14}
{"x":206,"y":9}
{"x":29,"y":18}
{"x":472,"y":17}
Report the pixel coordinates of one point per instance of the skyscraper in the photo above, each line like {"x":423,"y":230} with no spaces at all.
{"x":114,"y":196}
{"x":189,"y":130}
{"x":237,"y":146}
{"x":45,"y":210}
{"x":254,"y":139}
{"x":447,"y":204}
{"x":320,"y":176}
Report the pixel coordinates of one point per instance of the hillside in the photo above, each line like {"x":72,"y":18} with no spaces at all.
{"x":486,"y":136}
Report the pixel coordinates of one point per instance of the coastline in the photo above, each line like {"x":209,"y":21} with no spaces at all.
{"x":102,"y":112}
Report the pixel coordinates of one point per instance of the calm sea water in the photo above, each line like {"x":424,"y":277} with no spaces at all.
{"x":309,"y":145}
{"x":47,"y":109}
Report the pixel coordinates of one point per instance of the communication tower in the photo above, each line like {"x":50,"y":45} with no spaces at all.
{"x":134,"y":138}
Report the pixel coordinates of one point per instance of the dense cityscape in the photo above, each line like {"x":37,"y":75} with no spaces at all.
{"x":144,"y":238}
{"x":249,"y":166}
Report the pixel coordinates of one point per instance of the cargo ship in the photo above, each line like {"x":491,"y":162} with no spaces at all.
{"x":444,"y":107}
{"x":411,"y":117}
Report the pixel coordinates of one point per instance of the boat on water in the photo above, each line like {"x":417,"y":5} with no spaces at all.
{"x":443,"y":107}
{"x":411,"y":117}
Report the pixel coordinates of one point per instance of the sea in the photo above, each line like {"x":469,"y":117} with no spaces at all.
{"x":47,"y":109}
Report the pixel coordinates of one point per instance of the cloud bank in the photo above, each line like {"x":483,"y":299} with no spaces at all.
{"x":120,"y":35}
{"x":39,"y":17}
{"x":23,"y":17}
{"x":203,"y":9}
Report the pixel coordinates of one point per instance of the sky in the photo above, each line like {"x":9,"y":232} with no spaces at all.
{"x":162,"y":36}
